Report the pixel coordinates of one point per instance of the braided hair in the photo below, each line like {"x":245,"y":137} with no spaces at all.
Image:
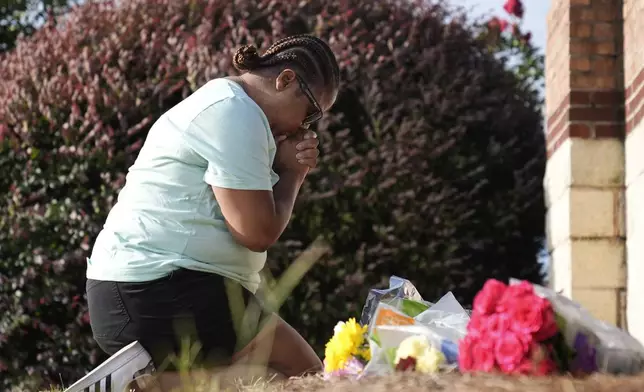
{"x":307,"y":53}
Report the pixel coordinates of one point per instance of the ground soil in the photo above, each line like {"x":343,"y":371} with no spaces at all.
{"x":457,"y":383}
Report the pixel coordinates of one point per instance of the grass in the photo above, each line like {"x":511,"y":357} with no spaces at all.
{"x":414,"y":382}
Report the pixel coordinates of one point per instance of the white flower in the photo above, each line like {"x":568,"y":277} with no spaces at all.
{"x":428,"y":359}
{"x":412,"y":347}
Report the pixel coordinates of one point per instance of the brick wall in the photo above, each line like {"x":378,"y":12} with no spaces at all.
{"x":557,"y":76}
{"x":585,"y":173}
{"x":595,"y":175}
{"x":584,"y":71}
{"x":634,"y":61}
{"x":634,"y":98}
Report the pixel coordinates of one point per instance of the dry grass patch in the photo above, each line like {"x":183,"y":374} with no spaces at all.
{"x":454,"y":383}
{"x":415,"y":382}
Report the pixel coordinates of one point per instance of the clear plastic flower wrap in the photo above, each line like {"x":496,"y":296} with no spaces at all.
{"x":598,"y":346}
{"x":516,"y":329}
{"x":407,"y":332}
{"x":399,"y":289}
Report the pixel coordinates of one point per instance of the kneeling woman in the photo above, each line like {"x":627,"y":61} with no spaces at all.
{"x":212,"y":188}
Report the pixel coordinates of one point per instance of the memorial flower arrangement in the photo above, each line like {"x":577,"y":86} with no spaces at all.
{"x":347,"y":351}
{"x":525,"y":329}
{"x":380,"y":343}
{"x":513,"y":329}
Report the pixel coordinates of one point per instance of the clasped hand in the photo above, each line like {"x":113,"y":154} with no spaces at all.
{"x":298,"y":152}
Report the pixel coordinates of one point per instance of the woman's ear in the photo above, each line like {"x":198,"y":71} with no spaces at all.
{"x":285,"y":79}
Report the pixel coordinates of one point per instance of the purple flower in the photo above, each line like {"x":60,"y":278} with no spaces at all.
{"x":353,"y":367}
{"x":586,"y":356}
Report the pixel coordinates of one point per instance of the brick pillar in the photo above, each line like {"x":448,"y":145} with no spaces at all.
{"x":585,"y":173}
{"x":634,"y":82}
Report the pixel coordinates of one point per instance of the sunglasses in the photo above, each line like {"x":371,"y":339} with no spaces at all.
{"x":317,"y":113}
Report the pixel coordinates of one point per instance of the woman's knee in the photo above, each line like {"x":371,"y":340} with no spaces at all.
{"x":282,"y":348}
{"x":292,"y":354}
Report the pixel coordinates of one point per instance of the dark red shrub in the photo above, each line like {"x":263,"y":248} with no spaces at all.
{"x":432,"y":162}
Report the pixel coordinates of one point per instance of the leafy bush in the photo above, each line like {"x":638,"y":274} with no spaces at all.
{"x":512,"y":44}
{"x":22,"y":17}
{"x":432,"y":158}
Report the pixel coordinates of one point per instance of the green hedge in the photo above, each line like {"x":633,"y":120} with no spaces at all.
{"x":432,"y":159}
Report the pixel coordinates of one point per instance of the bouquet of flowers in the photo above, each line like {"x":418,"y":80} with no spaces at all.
{"x":400,"y":332}
{"x":512,"y":330}
{"x":515,"y":329}
{"x":527,"y":329}
{"x":347,"y":351}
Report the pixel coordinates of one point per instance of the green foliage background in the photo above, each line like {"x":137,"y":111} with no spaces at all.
{"x":432,"y":158}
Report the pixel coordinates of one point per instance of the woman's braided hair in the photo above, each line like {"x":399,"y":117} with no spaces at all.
{"x":307,"y":53}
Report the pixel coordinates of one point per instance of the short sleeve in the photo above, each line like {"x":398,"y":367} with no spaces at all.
{"x":232,"y":136}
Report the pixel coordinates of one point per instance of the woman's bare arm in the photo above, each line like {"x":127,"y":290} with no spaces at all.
{"x":256,"y":219}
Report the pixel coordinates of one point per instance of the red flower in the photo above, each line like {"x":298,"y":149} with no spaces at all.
{"x":477,"y":324}
{"x":514,"y":7}
{"x":497,"y":324}
{"x":549,"y":327}
{"x":506,"y":326}
{"x":476,"y":354}
{"x":497,"y":24}
{"x":530,"y":315}
{"x":538,"y":364}
{"x":527,"y":315}
{"x":514,"y":293}
{"x":483,"y":354}
{"x":487,"y":299}
{"x":503,"y":24}
{"x":465,"y":358}
{"x":408,"y":363}
{"x":510,"y":351}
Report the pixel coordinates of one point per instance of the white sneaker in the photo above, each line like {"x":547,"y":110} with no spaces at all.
{"x":117,"y":372}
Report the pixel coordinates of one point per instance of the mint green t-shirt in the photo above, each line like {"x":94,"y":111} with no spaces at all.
{"x":166,"y":216}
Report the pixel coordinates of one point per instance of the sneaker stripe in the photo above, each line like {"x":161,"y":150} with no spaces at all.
{"x":108,"y":383}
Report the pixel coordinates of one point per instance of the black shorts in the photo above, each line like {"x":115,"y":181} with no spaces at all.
{"x":196,"y":308}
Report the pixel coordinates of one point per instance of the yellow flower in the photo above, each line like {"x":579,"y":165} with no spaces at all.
{"x":428,"y":359}
{"x":366,"y":353}
{"x":346,"y":342}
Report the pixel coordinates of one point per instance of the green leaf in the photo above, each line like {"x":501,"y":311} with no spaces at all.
{"x":375,"y":338}
{"x":390,"y":355}
{"x":413,"y":308}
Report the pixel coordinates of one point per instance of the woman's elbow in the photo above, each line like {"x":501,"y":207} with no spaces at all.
{"x":256,"y":244}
